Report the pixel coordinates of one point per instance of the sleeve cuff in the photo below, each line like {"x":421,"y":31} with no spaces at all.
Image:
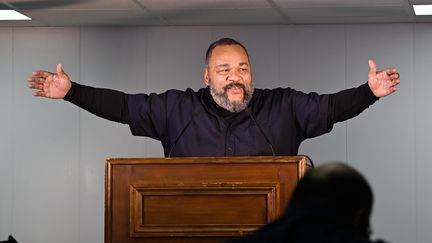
{"x":71,"y":92}
{"x":367,"y":92}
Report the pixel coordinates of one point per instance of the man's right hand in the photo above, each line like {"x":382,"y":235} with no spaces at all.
{"x":50,"y":85}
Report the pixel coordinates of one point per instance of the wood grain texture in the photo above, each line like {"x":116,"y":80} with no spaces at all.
{"x":196,"y":199}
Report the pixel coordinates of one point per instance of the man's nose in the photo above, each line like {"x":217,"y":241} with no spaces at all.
{"x":234,"y":76}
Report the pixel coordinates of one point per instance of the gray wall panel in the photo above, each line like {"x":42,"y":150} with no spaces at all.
{"x":176,"y":57}
{"x":423,"y":133}
{"x":111,"y":58}
{"x":312,"y":59}
{"x":46,"y":141}
{"x":381,"y":140}
{"x":6,"y":135}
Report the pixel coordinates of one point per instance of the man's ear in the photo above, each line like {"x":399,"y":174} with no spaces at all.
{"x":206,"y":76}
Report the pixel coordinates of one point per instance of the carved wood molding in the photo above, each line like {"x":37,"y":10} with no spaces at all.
{"x":202,"y":209}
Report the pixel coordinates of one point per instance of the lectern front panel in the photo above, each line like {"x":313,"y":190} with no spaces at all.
{"x":196,"y":199}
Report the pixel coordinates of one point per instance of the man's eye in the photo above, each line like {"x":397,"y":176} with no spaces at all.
{"x":223,"y":71}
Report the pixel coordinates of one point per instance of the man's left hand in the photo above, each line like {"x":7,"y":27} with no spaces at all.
{"x":382,"y":83}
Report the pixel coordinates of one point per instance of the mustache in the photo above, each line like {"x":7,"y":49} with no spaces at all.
{"x":234,"y":85}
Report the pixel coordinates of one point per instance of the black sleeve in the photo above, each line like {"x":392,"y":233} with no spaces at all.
{"x":105,"y":103}
{"x":349,"y":103}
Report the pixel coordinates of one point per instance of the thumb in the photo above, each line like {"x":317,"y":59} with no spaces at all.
{"x":60,"y":69}
{"x":372,"y":67}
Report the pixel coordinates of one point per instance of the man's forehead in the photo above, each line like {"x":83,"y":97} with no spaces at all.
{"x":222,"y":54}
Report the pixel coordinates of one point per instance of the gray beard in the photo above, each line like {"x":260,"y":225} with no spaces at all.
{"x":221,"y":97}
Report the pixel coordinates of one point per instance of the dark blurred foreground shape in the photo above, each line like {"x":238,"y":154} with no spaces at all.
{"x":10,"y":240}
{"x":332,"y":203}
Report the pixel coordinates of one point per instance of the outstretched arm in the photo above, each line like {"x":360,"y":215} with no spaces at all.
{"x":349,"y":103}
{"x":382,"y":83}
{"x":50,"y":85}
{"x":105,"y":103}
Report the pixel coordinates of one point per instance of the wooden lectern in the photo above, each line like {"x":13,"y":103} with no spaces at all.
{"x":205,"y":199}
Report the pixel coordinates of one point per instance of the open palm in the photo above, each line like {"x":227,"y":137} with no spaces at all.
{"x":50,"y":85}
{"x":382,"y":83}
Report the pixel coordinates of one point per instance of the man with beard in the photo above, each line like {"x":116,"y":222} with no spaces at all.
{"x":227,"y":118}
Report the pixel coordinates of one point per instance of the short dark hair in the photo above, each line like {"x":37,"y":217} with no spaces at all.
{"x":336,"y":186}
{"x":337,"y":182}
{"x":223,"y":42}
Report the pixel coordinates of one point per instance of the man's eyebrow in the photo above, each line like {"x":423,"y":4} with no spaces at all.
{"x":222,"y":65}
{"x":243,"y":63}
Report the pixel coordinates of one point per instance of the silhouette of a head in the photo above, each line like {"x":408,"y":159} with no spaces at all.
{"x":339,"y":189}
